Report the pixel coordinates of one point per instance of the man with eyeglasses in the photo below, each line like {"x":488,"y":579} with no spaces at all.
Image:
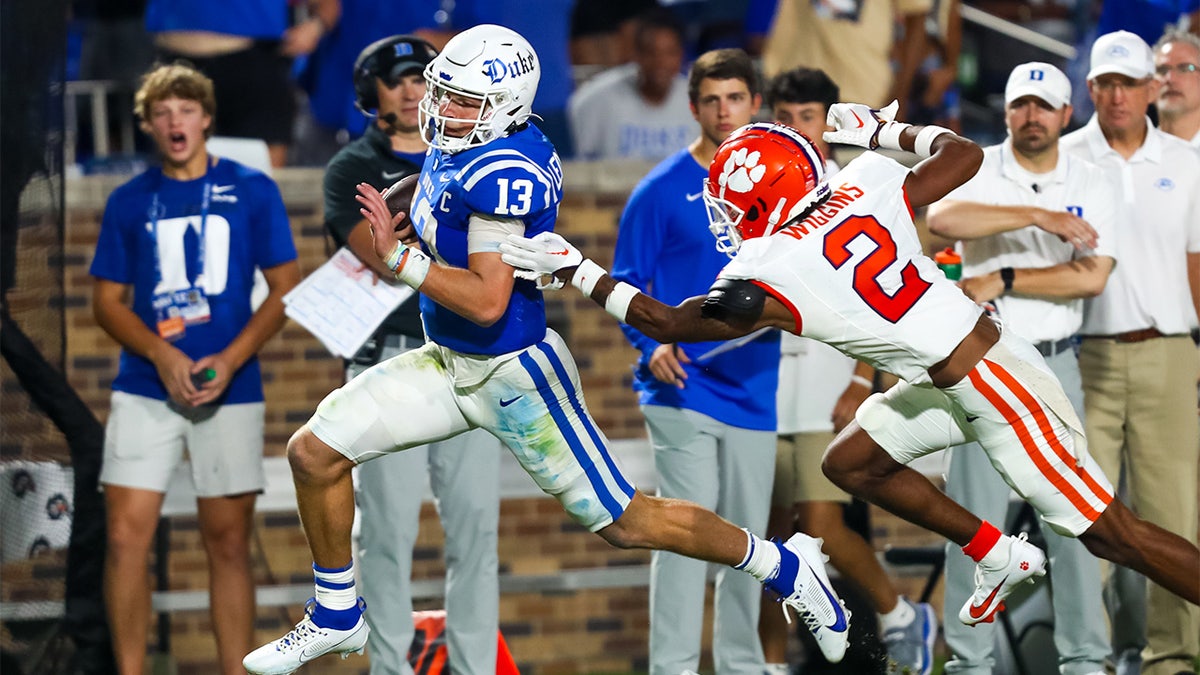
{"x":1177,"y":69}
{"x":1137,"y":359}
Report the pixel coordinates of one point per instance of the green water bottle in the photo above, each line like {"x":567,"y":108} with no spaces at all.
{"x":950,"y":263}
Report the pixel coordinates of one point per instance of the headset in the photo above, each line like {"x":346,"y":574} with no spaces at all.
{"x":387,"y":59}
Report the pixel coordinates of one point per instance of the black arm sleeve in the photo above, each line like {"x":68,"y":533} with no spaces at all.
{"x":734,"y":299}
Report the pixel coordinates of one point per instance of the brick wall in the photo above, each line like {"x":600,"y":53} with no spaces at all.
{"x":553,"y":632}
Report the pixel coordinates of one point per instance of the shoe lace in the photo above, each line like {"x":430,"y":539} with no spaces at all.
{"x":796,"y":602}
{"x":304,"y":631}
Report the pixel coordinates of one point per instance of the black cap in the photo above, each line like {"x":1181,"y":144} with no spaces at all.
{"x":388,"y":59}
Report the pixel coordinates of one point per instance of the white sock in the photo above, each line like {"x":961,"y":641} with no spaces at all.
{"x":335,"y":587}
{"x":761,"y":560}
{"x":900,"y":616}
{"x":1000,"y":553}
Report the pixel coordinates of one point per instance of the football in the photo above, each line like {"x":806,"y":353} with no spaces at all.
{"x":399,"y":198}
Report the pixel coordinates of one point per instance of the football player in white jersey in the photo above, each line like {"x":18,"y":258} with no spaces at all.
{"x":839,"y":261}
{"x":490,"y":362}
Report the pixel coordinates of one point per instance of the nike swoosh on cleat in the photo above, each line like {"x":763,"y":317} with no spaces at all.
{"x":839,"y":625}
{"x":977,"y":611}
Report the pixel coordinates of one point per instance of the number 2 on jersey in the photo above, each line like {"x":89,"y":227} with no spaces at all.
{"x":866,"y":272}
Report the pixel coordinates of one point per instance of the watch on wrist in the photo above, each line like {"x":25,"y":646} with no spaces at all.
{"x":1006,"y":275}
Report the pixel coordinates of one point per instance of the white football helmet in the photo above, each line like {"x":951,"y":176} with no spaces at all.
{"x":488,"y":63}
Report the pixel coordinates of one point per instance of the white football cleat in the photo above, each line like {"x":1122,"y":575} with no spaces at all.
{"x":994,"y":584}
{"x":804,"y":586}
{"x":306,"y":642}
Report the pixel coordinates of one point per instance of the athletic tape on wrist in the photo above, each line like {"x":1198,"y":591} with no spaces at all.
{"x":925,"y":139}
{"x":889,"y":135}
{"x":409,"y":264}
{"x":586,"y":276}
{"x":859,"y":379}
{"x":617,"y":304}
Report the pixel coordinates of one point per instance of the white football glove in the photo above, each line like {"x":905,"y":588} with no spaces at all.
{"x":539,"y":257}
{"x":857,"y":124}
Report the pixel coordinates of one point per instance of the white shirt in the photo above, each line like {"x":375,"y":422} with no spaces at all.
{"x":1158,"y":223}
{"x":812,"y":377}
{"x":610,"y":119}
{"x":854,"y":275}
{"x":1074,"y":185}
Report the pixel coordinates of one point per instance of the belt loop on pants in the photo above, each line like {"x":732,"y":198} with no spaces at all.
{"x":1049,"y":348}
{"x":1130,"y":336}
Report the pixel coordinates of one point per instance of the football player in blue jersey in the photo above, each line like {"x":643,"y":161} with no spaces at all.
{"x":492,"y":363}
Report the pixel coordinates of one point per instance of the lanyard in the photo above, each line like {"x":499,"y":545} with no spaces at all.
{"x":156,"y":208}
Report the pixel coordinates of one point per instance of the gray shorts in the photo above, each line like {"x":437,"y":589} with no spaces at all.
{"x":145,"y":440}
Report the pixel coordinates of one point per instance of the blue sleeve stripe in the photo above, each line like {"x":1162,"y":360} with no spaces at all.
{"x":584,"y":418}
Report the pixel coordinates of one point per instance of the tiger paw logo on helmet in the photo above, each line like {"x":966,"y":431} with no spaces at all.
{"x":741,"y":171}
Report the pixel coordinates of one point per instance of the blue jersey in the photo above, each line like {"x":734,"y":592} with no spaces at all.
{"x":246,"y":227}
{"x":517,"y":177}
{"x":259,"y":19}
{"x":665,"y":249}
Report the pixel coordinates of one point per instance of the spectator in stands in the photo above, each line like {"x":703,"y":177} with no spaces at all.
{"x":852,"y":42}
{"x":936,"y":98}
{"x":332,"y":118}
{"x":819,"y":391}
{"x":173,"y":270}
{"x":1148,"y":19}
{"x":639,"y":110}
{"x":1038,"y":235}
{"x":1177,"y":69}
{"x":246,"y":47}
{"x":1137,"y":360}
{"x":390,"y":83}
{"x":712,"y":430}
{"x":602,"y":31}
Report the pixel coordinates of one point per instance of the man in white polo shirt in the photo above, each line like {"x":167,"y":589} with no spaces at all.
{"x":1037,"y":236}
{"x":1177,"y":69}
{"x":1137,"y":360}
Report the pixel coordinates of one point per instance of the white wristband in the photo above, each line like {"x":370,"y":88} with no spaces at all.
{"x":859,"y":379}
{"x":925,"y":139}
{"x":618,"y":300}
{"x":409,"y":264}
{"x":889,"y":135}
{"x":586,"y":276}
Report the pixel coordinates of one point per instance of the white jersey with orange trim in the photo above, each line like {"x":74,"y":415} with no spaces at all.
{"x":854,"y":275}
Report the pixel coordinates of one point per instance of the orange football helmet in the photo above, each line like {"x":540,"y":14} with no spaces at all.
{"x":762,"y":177}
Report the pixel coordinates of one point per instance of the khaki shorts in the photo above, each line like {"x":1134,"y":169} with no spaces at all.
{"x":145,"y":440}
{"x":798,"y":476}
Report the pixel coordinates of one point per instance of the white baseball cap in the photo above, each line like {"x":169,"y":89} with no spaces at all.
{"x":1121,"y":52}
{"x":1041,"y":80}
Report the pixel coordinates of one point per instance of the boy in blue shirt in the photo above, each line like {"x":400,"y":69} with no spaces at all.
{"x":184,"y":240}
